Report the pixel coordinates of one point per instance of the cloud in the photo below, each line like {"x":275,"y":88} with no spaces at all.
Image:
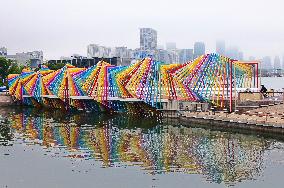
{"x":63,"y":27}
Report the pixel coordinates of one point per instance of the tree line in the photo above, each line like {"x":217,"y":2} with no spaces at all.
{"x":7,"y":67}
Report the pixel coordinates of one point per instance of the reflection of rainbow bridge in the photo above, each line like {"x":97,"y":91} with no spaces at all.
{"x":219,"y":156}
{"x":103,"y":87}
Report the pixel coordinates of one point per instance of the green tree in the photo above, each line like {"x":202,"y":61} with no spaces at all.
{"x":55,"y":66}
{"x":7,"y":67}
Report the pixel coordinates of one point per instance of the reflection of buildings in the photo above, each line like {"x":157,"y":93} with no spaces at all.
{"x":220,"y":157}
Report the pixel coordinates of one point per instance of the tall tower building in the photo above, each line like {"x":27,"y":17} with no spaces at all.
{"x":277,"y":63}
{"x":220,"y":47}
{"x":3,"y":51}
{"x":199,"y":49}
{"x":148,"y":39}
{"x":266,"y":63}
{"x":241,"y":56}
{"x":185,"y":55}
{"x":283,"y":62}
{"x":233,"y":52}
{"x":94,"y":50}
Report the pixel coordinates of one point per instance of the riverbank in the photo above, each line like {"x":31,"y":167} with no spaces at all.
{"x":264,"y":118}
{"x":267,"y":119}
{"x":5,"y":99}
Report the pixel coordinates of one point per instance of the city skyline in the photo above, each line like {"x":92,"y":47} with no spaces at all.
{"x":61,"y":28}
{"x":169,"y":54}
{"x":208,"y":50}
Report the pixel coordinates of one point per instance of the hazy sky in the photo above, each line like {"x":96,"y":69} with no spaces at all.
{"x":64,"y":27}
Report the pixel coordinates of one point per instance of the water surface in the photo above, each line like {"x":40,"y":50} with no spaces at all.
{"x":276,"y":83}
{"x":40,"y":148}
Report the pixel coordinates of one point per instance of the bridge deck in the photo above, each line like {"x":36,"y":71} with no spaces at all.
{"x":27,"y":96}
{"x":80,"y":97}
{"x":91,"y":98}
{"x":50,"y":96}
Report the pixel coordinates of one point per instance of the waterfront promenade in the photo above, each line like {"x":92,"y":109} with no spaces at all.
{"x":269,"y":119}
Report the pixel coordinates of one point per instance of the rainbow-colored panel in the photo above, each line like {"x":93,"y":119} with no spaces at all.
{"x":209,"y":78}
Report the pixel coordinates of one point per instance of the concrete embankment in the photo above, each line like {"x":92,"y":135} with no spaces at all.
{"x":223,"y":126}
{"x":220,"y":124}
{"x":5,"y":99}
{"x":265,"y":120}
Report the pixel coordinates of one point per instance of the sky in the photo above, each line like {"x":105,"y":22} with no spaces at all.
{"x":64,"y":27}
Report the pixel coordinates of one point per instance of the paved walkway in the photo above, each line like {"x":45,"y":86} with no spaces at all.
{"x":270,"y":115}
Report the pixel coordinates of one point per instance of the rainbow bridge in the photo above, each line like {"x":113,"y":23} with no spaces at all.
{"x":141,"y":86}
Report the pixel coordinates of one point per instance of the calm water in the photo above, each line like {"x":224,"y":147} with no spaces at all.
{"x":52,"y":149}
{"x":276,"y":83}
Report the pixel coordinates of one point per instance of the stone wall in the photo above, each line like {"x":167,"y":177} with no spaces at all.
{"x":5,"y":100}
{"x":250,"y":96}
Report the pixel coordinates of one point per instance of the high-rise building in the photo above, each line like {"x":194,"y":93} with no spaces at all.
{"x":3,"y":51}
{"x":241,"y":56}
{"x":266,"y":63}
{"x":199,"y":49}
{"x":81,"y":61}
{"x":120,"y":52}
{"x":162,"y":55}
{"x":124,"y":55}
{"x":220,"y":47}
{"x":174,"y":56}
{"x":120,"y":55}
{"x":277,"y":63}
{"x":283,"y":62}
{"x":167,"y":56}
{"x":233,"y":52}
{"x":34,"y":58}
{"x":148,"y":39}
{"x":171,"y":46}
{"x":185,"y":55}
{"x":94,"y":50}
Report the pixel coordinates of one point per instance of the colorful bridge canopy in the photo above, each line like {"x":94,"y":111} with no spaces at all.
{"x":209,"y":78}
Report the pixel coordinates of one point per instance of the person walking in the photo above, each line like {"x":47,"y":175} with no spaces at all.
{"x":263,"y":91}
